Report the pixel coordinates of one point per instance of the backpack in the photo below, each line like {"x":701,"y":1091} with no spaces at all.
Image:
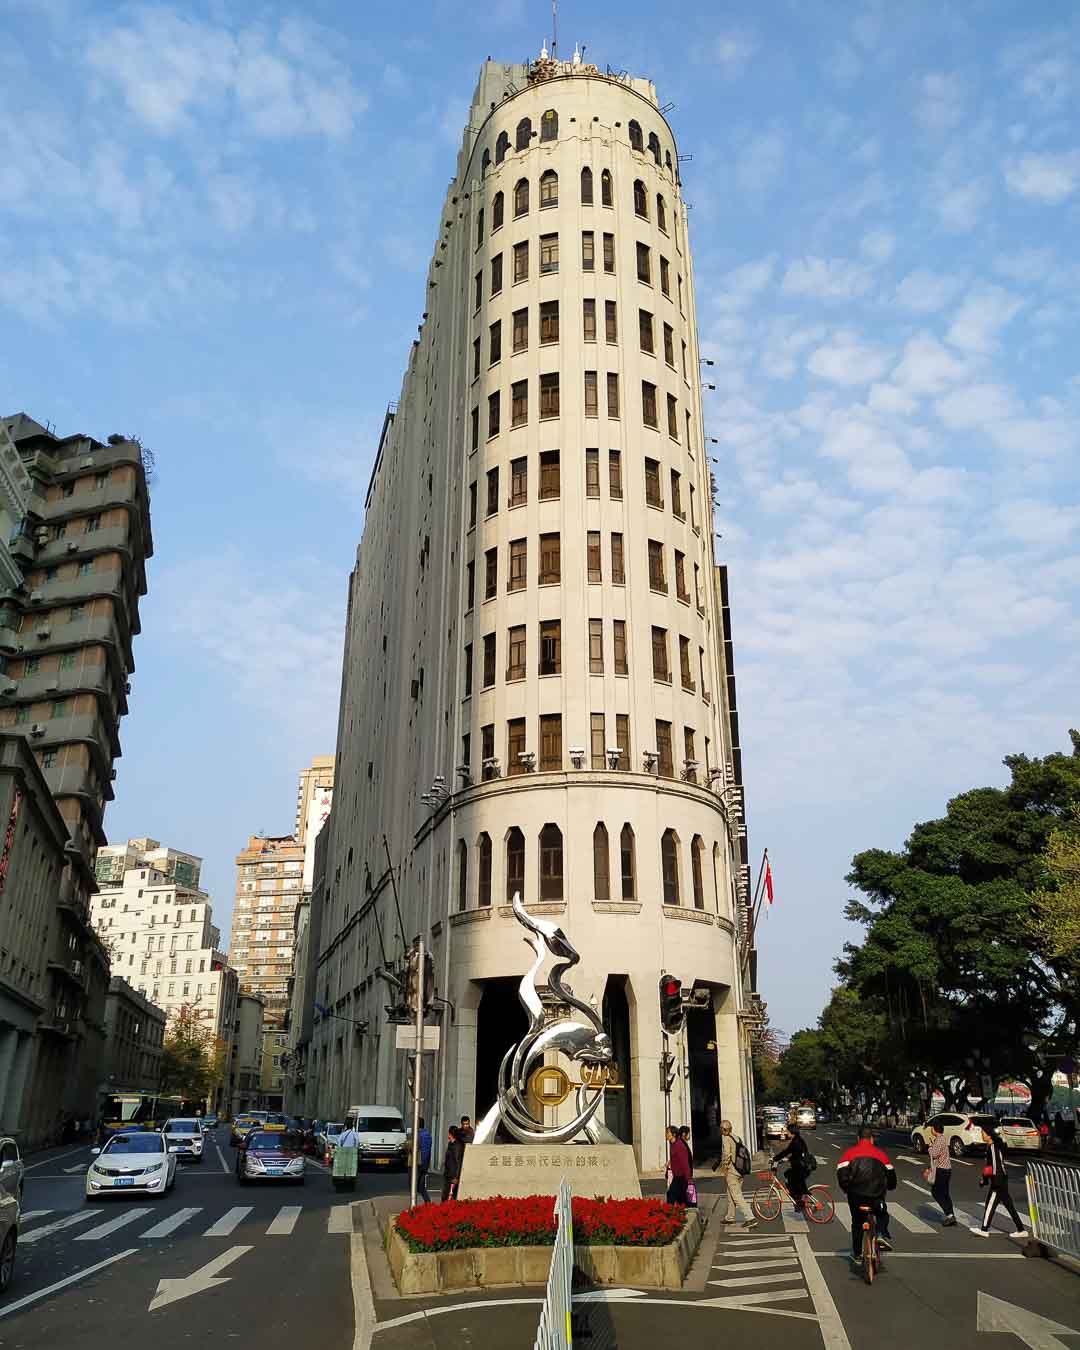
{"x":743,"y":1161}
{"x":811,"y":1163}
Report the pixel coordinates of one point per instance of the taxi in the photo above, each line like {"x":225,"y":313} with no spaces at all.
{"x":275,"y":1121}
{"x":242,"y":1127}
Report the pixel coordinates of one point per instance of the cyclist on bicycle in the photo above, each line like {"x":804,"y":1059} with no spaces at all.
{"x":800,"y":1164}
{"x":864,"y":1173}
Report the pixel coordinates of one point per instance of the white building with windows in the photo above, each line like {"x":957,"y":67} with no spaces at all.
{"x":538,"y":692}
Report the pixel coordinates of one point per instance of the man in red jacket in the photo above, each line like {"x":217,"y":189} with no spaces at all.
{"x":865,"y":1173}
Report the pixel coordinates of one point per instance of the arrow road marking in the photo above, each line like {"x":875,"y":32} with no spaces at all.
{"x":757,"y":1280}
{"x":1037,"y":1332}
{"x":170,"y":1291}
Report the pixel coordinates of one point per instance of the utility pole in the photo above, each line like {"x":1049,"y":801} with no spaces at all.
{"x":416,"y":986}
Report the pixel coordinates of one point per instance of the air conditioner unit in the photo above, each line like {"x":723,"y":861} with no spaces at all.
{"x":37,"y":729}
{"x":36,"y":597}
{"x":42,"y":536}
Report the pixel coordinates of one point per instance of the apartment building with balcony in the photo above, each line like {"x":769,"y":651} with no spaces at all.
{"x":269,"y":884}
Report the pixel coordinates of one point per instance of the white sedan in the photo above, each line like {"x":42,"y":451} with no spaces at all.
{"x":129,"y":1163}
{"x":1020,"y":1132}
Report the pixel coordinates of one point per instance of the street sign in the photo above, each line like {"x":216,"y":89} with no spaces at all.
{"x":406,"y":1038}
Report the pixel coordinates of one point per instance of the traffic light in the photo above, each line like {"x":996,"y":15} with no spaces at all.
{"x":412,"y":980}
{"x":671,"y":1008}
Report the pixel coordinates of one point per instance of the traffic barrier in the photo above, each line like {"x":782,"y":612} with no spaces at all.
{"x":555,"y":1331}
{"x":1054,"y":1206}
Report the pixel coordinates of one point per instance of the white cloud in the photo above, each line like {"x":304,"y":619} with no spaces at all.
{"x":739,"y":286}
{"x":984,"y":312}
{"x":974,"y":405}
{"x":731,"y":52}
{"x":826,"y":278}
{"x":783,"y":346}
{"x":924,"y":292}
{"x":1044,"y":177}
{"x":939,"y":101}
{"x":891,"y":400}
{"x":760,"y":161}
{"x":960,"y":207}
{"x":927,"y":367}
{"x":1038,"y":525}
{"x":846,"y":360}
{"x":878,"y":246}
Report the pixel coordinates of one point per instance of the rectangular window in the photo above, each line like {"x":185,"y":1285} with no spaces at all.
{"x":549,"y":253}
{"x":549,"y":475}
{"x":491,"y":573}
{"x":588,"y":251}
{"x":648,"y":403}
{"x":67,"y":661}
{"x":704,"y":687}
{"x":493,"y":414}
{"x":479,"y":227}
{"x":680,"y":295}
{"x":592,"y":408}
{"x":665,"y":277}
{"x":489,"y":660}
{"x":612,"y":394}
{"x":645,"y":332}
{"x":476,"y":358}
{"x":551,"y":758}
{"x":684,"y":375}
{"x":550,"y":560}
{"x":620,"y":662}
{"x":474,"y":437}
{"x":466,"y":749}
{"x":492,"y":491}
{"x":657,"y":579}
{"x":521,"y":261}
{"x":593,"y":555}
{"x":622,"y":740}
{"x":611,"y":321}
{"x":685,"y":670}
{"x":596,"y":646}
{"x":515,"y":653}
{"x":470,"y":585}
{"x":597,"y":745}
{"x":550,"y":647}
{"x":666,"y":763}
{"x":515,"y":745}
{"x":519,"y":481}
{"x":660,"y":668}
{"x":673,"y":417}
{"x":592,"y":473}
{"x":689,"y":443}
{"x":472,"y":506}
{"x":669,"y":345}
{"x":521,"y":330}
{"x":680,"y":577}
{"x":609,"y":253}
{"x":653,"y":494}
{"x":495,"y":342}
{"x":690,"y":759}
{"x":519,"y":565}
{"x":478,"y":290}
{"x":487,"y":742}
{"x":693,"y":509}
{"x":588,"y":320}
{"x":644,"y":269}
{"x":549,"y":321}
{"x":549,"y":394}
{"x":468,"y":669}
{"x":697,"y":587}
{"x":618,"y":561}
{"x":60,"y":707}
{"x":614,"y":462}
{"x":496,"y":274}
{"x":519,"y":403}
{"x":676,"y":494}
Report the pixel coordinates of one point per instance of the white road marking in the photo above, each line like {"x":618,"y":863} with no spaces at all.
{"x":340,"y":1220}
{"x":170,"y":1291}
{"x":29,"y":1214}
{"x":738,"y":1253}
{"x":79,"y":1217}
{"x":737,"y":1237}
{"x":832,"y":1329}
{"x":172,"y":1223}
{"x":55,"y":1158}
{"x":284,"y":1221}
{"x":228,"y":1221}
{"x":758,"y":1265}
{"x":79,"y":1167}
{"x":757,"y":1280}
{"x":8,"y":1308}
{"x":909,"y":1221}
{"x":905,"y":1157}
{"x":835,"y":1146}
{"x":224,"y":1165}
{"x":363,"y":1304}
{"x":1036,"y":1331}
{"x":95,"y":1234}
{"x":939,"y":1256}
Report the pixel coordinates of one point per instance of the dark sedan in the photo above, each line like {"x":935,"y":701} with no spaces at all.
{"x":270,"y":1155}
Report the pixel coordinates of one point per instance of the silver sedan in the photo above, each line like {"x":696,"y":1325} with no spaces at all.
{"x":129,"y":1164}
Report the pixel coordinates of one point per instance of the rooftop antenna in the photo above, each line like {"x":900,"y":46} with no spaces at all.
{"x":554,"y":27}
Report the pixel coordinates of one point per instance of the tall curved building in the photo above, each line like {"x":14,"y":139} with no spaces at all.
{"x":537,"y":692}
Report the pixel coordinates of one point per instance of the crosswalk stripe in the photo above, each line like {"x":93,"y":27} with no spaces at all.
{"x":103,"y":1230}
{"x":757,"y":1280}
{"x":29,"y":1214}
{"x":757,"y":1265}
{"x":69,"y":1222}
{"x":736,"y":1253}
{"x":285,"y":1221}
{"x":340,"y":1220}
{"x":231,"y":1219}
{"x":907,"y":1220}
{"x":737,"y":1237}
{"x":172,"y":1223}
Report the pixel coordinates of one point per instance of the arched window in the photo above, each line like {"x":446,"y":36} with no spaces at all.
{"x":667,"y":160}
{"x":716,"y":875}
{"x":462,"y":876}
{"x":524,"y":134}
{"x":669,"y":866}
{"x":549,"y":188}
{"x":521,"y":197}
{"x":626,"y":863}
{"x":601,"y":867}
{"x":515,"y":864}
{"x":654,"y":146}
{"x":549,"y":125}
{"x":661,"y":212}
{"x":479,"y":227}
{"x":485,"y":162}
{"x":641,"y":199}
{"x":586,"y":186}
{"x":551,"y":873}
{"x":605,"y":189}
{"x":502,"y":145}
{"x":636,"y":141}
{"x":697,"y":850}
{"x":483,"y":880}
{"x":497,"y":211}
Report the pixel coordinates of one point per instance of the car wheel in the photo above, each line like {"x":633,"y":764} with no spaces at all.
{"x":919,"y":1144}
{"x":956,"y":1148}
{"x":7,"y":1261}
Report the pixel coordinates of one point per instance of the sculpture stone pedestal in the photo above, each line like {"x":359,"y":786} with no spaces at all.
{"x":593,"y":1170}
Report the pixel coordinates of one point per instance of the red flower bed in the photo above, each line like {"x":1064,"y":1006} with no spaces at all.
{"x":529,"y":1221}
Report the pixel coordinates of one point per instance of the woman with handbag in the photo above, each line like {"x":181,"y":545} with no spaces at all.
{"x":996,"y":1177}
{"x":939,"y":1173}
{"x":680,"y":1168}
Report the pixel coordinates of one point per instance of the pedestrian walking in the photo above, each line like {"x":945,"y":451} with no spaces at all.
{"x":455,"y":1153}
{"x":801,"y":1163}
{"x":732,"y":1178}
{"x":995,"y":1176}
{"x":466,"y":1131}
{"x":423,"y":1161}
{"x":939,"y":1173}
{"x":680,"y":1167}
{"x":691,"y":1186}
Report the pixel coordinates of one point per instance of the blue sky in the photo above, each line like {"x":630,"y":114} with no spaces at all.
{"x":214,"y":223}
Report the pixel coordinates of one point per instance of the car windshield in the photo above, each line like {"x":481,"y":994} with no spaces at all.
{"x":134,"y":1143}
{"x":181,"y":1127}
{"x":378,"y":1123}
{"x":985,"y":1122}
{"x":271,"y":1141}
{"x":274,"y":1119}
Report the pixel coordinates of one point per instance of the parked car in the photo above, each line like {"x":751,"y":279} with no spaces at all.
{"x":9,"y":1236}
{"x":275,"y":1121}
{"x":11,"y":1169}
{"x":382,"y":1138}
{"x":963,"y":1131}
{"x":1020,"y":1132}
{"x":270,"y":1155}
{"x":185,"y":1139}
{"x":129,"y":1163}
{"x":806,"y":1118}
{"x":241,"y":1126}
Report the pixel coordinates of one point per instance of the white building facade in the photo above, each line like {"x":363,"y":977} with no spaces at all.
{"x":537,"y":690}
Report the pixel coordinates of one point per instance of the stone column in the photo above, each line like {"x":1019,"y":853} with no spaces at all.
{"x":729,"y":1060}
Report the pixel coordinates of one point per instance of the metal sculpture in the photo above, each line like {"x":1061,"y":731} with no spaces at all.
{"x":585,"y":1041}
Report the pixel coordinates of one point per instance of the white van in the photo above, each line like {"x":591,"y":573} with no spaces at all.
{"x":383,"y":1139}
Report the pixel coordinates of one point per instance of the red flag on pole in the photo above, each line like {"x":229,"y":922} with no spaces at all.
{"x":768,"y":880}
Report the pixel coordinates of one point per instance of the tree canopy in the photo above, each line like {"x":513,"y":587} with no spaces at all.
{"x":193,"y":1059}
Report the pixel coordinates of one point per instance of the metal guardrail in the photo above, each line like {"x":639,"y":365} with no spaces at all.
{"x":1054,"y":1204}
{"x":555,"y":1331}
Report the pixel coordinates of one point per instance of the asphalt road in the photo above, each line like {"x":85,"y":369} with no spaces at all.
{"x":302,"y":1266}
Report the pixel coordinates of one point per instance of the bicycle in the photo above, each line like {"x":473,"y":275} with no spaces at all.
{"x":871,"y":1252}
{"x":817,"y":1204}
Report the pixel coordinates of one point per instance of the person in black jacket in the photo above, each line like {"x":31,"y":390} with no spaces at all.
{"x":800,"y":1165}
{"x":864,"y":1173}
{"x":996,"y":1177}
{"x":455,"y":1152}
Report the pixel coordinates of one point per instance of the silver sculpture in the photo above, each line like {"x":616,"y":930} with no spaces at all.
{"x":585,"y":1042}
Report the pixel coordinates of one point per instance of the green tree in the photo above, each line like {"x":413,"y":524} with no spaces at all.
{"x":192,"y":1061}
{"x":1056,"y":920}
